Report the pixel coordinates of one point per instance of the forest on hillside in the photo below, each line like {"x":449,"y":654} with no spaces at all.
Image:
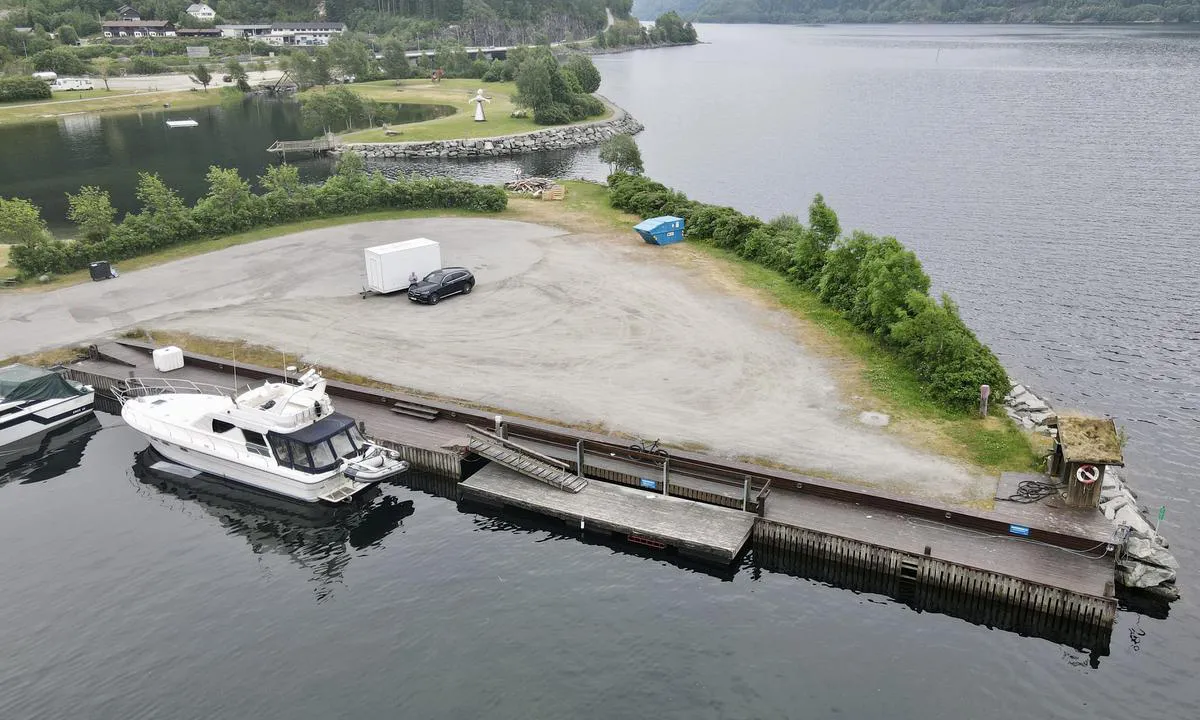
{"x":890,"y":11}
{"x":469,"y":22}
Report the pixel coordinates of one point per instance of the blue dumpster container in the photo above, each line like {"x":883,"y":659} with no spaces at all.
{"x":661,"y":230}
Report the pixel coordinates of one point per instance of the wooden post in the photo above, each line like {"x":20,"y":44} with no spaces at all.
{"x":746,"y":494}
{"x":984,"y":392}
{"x":501,"y":428}
{"x":579,"y":458}
{"x":666,"y":476}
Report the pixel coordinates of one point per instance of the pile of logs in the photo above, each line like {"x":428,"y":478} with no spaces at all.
{"x":534,"y":186}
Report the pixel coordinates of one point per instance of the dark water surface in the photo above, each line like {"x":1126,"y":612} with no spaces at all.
{"x":1048,"y":179}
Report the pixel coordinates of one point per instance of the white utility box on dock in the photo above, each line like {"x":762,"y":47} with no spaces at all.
{"x":390,"y":268}
{"x":168,"y":358}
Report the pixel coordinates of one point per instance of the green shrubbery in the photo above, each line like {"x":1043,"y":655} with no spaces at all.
{"x":555,"y":94}
{"x":874,"y":282}
{"x":231,"y":206}
{"x":23,"y":88}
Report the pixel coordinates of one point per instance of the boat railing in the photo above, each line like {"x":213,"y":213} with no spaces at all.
{"x":148,"y":386}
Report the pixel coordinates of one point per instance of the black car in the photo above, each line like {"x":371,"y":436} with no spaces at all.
{"x":440,"y":284}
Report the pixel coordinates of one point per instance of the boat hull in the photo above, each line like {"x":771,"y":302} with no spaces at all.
{"x":41,"y":417}
{"x":258,"y":478}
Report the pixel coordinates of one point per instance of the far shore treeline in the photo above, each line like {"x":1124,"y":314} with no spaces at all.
{"x":874,"y":282}
{"x":231,"y":206}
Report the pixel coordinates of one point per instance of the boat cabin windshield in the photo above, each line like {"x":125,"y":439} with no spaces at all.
{"x":318,"y":447}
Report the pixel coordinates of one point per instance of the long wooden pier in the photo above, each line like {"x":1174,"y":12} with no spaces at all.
{"x":1038,"y":567}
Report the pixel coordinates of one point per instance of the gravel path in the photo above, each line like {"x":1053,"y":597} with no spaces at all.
{"x":579,"y":328}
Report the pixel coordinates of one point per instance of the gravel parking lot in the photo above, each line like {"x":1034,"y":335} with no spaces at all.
{"x":579,"y":328}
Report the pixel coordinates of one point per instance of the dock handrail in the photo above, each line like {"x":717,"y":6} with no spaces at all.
{"x":521,"y":448}
{"x":147,"y":386}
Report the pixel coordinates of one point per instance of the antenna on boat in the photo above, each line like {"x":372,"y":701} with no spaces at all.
{"x":235,"y":388}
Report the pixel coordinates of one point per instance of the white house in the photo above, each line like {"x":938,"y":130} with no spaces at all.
{"x":200,"y":11}
{"x":303,"y":33}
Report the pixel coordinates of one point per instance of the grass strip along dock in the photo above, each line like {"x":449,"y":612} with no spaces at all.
{"x":1030,"y":568}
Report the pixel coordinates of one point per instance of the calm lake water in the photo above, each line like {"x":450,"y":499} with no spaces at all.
{"x":1046,"y":177}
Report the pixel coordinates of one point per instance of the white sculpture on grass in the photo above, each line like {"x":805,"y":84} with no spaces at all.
{"x":479,"y":100}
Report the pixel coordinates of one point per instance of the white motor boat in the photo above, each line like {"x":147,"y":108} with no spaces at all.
{"x":34,"y":400}
{"x":278,"y":437}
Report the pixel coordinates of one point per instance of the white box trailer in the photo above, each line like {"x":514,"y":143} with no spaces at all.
{"x":391,"y":267}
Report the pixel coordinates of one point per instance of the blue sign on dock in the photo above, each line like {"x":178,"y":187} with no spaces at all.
{"x":1018,"y":530}
{"x":649,"y":484}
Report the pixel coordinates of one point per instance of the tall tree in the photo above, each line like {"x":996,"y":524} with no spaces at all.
{"x":92,"y":211}
{"x":622,"y":154}
{"x":202,"y":75}
{"x":237,"y":73}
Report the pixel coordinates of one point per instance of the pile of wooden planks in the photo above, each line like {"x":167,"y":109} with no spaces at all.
{"x":529,"y":186}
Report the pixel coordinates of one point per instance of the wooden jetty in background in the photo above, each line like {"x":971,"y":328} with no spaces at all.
{"x":1037,"y":568}
{"x":316,"y":146}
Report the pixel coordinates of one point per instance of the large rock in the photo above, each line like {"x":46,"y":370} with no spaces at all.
{"x":1140,"y":575}
{"x":1150,"y":551}
{"x":1029,"y":401}
{"x":1138,"y":527}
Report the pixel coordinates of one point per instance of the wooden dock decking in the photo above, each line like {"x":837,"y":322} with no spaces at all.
{"x":694,"y":528}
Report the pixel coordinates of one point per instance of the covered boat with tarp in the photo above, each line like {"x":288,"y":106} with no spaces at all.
{"x":34,"y":400}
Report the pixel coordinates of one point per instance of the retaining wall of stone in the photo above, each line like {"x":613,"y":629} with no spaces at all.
{"x":552,"y":138}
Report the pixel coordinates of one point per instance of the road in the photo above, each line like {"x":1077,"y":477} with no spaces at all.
{"x":584,"y":329}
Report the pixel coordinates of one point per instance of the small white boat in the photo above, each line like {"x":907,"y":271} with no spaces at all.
{"x":279,"y":437}
{"x":34,"y":400}
{"x":182,"y":123}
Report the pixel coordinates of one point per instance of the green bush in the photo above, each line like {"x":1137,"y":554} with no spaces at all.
{"x":494,"y":73}
{"x":59,"y":60}
{"x":876,"y":283}
{"x":143,"y":65}
{"x":23,"y":88}
{"x":552,"y":113}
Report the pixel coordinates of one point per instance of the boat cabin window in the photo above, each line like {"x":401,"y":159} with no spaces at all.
{"x":318,"y":447}
{"x":255,"y":442}
{"x":220,"y":426}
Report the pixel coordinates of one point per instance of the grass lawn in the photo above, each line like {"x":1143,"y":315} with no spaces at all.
{"x":456,"y":93}
{"x":66,"y":103}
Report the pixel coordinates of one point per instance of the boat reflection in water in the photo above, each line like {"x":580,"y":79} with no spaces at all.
{"x":318,"y":537}
{"x":47,"y":455}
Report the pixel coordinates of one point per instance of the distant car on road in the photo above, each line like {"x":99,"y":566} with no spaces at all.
{"x":441,"y":284}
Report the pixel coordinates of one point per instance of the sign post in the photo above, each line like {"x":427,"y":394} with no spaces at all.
{"x":1162,"y":513}
{"x":984,"y":392}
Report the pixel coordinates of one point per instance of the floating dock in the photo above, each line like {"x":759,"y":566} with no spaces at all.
{"x":1034,"y":568}
{"x":643,"y":517}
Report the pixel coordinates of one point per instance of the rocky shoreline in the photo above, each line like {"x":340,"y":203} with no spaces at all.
{"x":1144,"y":562}
{"x":558,"y":137}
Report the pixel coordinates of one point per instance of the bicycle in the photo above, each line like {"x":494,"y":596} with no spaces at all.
{"x":651,"y":448}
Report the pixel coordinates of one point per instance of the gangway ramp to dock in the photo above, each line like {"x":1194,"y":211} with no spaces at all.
{"x":697,"y":529}
{"x":529,"y":463}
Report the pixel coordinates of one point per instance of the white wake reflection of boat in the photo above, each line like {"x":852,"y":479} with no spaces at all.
{"x":278,"y":437}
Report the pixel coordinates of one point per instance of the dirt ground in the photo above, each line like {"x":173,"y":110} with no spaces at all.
{"x":584,"y":329}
